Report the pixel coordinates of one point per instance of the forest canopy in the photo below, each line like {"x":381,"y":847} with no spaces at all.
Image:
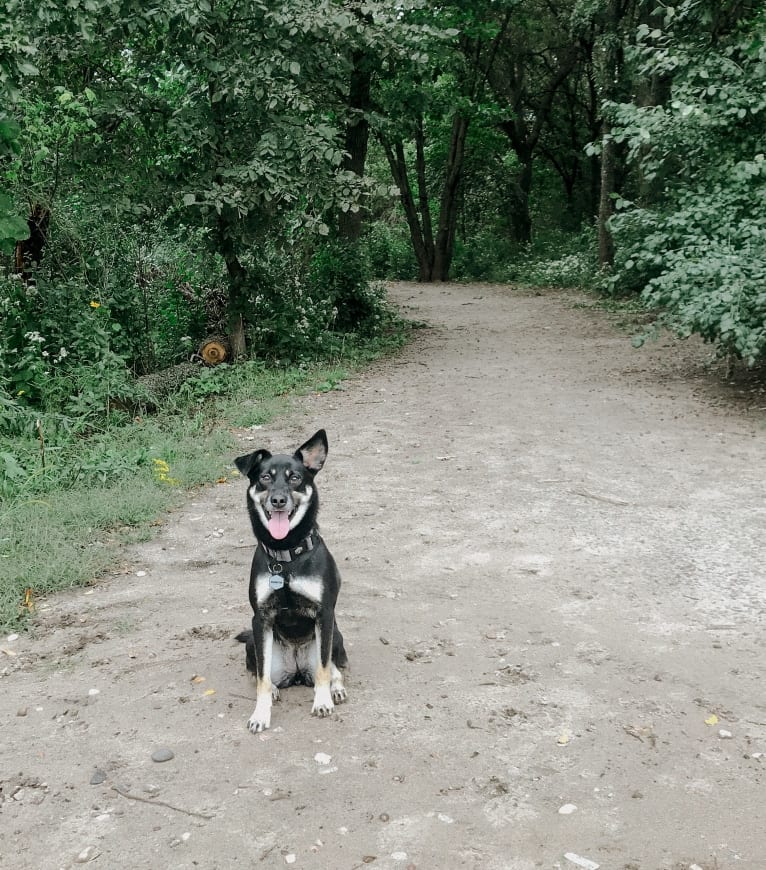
{"x":244,"y":170}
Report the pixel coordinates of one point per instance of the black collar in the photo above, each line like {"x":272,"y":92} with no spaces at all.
{"x":306,"y":545}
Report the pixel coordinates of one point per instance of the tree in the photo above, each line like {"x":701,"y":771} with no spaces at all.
{"x":534,"y":58}
{"x":221,"y":114}
{"x":436,"y":92}
{"x":697,"y":246}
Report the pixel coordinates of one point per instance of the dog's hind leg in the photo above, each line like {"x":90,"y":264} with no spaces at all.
{"x":338,"y":650}
{"x":339,"y":660}
{"x":337,"y":689}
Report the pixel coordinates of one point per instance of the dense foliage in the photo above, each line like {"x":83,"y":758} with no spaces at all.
{"x":246,"y":168}
{"x":698,"y":250}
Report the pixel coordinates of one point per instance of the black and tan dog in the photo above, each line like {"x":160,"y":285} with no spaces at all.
{"x":294,"y":583}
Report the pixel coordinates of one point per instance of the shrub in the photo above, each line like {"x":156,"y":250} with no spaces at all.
{"x":389,"y":251}
{"x":698,"y":253}
{"x":340,"y":272}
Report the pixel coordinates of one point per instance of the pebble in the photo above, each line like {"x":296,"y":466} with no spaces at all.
{"x":578,"y":860}
{"x":724,"y":734}
{"x":399,"y":856}
{"x":12,"y":637}
{"x":87,"y":854}
{"x":443,"y":817}
{"x":97,"y":777}
{"x":140,"y":573}
{"x":322,"y":758}
{"x":567,"y":809}
{"x":290,"y":859}
{"x":22,"y":711}
{"x":93,"y":692}
{"x":160,"y":755}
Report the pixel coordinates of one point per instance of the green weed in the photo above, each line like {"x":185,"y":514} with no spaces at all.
{"x":69,"y":501}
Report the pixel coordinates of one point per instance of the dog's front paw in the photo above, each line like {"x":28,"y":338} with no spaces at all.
{"x":323,"y":705}
{"x":261,"y":718}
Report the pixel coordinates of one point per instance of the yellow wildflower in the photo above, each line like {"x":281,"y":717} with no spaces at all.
{"x":162,"y":472}
{"x":94,"y":304}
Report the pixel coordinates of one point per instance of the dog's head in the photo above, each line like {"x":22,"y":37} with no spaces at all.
{"x":282,"y":495}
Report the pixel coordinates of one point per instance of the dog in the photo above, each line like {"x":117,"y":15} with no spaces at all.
{"x":294,"y":583}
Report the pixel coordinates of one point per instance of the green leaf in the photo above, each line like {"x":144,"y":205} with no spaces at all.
{"x":13,"y":228}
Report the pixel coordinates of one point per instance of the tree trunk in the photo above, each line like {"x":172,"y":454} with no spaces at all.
{"x":29,"y":252}
{"x":606,"y":203}
{"x":613,"y":71}
{"x":448,"y":211}
{"x":518,"y":196}
{"x":356,"y":140}
{"x":238,"y":279}
{"x":434,"y":257}
{"x":423,"y":205}
{"x":422,"y":241}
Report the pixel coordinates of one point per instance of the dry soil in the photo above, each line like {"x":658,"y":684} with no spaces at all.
{"x":552,"y":549}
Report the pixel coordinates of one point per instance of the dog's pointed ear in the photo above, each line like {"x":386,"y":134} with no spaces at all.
{"x":314,"y":452}
{"x":245,"y":464}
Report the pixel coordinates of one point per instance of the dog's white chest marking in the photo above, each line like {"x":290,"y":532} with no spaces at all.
{"x":309,"y":586}
{"x":263,"y":587}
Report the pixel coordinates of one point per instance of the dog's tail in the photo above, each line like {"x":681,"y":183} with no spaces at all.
{"x":246,"y":637}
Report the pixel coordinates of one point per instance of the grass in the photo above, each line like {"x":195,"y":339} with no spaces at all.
{"x":62,"y":522}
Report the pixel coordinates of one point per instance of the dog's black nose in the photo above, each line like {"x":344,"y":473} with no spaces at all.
{"x":278,"y":502}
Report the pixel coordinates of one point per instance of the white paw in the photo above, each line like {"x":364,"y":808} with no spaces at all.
{"x":261,"y":718}
{"x":274,"y":693}
{"x":338,"y":691}
{"x":323,"y":705}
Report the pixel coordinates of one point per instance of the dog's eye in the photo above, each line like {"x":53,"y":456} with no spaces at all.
{"x":295,"y":478}
{"x":265,"y":477}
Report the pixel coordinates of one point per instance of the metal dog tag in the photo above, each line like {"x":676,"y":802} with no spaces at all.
{"x":276,"y":581}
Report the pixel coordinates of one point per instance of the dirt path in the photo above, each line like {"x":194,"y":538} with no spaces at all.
{"x":552,"y":550}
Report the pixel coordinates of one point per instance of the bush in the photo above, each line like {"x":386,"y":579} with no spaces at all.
{"x":389,"y":251}
{"x":485,"y":256}
{"x":340,"y":272}
{"x":302,"y":314}
{"x":698,"y":254}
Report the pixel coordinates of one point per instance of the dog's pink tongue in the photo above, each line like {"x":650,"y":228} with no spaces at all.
{"x":279,"y":525}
